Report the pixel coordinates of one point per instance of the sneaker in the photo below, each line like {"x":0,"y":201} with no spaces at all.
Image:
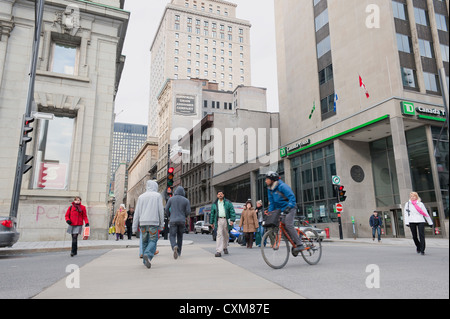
{"x":147,"y":262}
{"x":297,"y":250}
{"x":175,"y":252}
{"x":218,"y":255}
{"x":225,"y":251}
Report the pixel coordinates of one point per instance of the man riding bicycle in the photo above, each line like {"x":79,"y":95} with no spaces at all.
{"x":281,"y":197}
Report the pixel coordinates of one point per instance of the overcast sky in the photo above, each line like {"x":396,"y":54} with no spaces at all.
{"x":132,"y":100}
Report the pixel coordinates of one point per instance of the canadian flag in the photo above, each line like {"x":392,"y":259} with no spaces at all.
{"x":362,"y":85}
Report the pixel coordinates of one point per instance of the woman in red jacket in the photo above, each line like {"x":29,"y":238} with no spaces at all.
{"x":75,"y":216}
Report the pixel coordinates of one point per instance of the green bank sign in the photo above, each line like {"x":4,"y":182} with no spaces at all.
{"x":408,"y":108}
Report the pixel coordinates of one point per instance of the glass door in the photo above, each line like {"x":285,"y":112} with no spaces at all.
{"x":398,"y":223}
{"x":437,"y":227}
{"x":388,"y":225}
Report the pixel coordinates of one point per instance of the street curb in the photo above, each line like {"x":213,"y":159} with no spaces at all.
{"x":19,"y":251}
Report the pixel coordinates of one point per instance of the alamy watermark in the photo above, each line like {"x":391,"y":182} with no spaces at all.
{"x":226,"y":145}
{"x":373,"y":18}
{"x":73,"y":279}
{"x":374,"y":278}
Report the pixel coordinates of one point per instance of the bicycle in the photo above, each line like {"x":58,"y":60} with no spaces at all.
{"x":275,"y":247}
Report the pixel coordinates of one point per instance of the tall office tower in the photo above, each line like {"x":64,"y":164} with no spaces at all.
{"x":127,"y":141}
{"x":361,"y":90}
{"x":199,"y":39}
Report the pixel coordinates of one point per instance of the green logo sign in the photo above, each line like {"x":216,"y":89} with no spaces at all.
{"x":283,"y":152}
{"x":408,"y":108}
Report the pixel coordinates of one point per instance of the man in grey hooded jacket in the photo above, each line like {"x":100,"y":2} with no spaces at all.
{"x":149,"y":217}
{"x":178,"y":209}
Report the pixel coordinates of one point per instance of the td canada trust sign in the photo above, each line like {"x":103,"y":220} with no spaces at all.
{"x":408,"y":108}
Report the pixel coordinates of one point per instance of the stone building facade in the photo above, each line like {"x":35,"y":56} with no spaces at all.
{"x":78,"y":74}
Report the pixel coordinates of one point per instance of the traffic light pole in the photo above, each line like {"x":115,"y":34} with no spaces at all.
{"x":39,"y":9}
{"x":341,"y":234}
{"x":338,"y":199}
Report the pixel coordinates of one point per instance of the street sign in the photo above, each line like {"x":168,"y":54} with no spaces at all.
{"x":339,"y":208}
{"x":336,"y":180}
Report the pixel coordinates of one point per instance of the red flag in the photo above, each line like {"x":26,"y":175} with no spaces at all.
{"x":362,"y":85}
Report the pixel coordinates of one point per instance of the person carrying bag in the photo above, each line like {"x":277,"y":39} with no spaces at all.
{"x":416,"y":217}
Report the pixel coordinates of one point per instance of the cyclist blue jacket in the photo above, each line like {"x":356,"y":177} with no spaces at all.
{"x":277,"y":201}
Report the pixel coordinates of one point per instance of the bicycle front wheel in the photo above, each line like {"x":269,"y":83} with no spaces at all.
{"x":275,"y":249}
{"x":313,"y":251}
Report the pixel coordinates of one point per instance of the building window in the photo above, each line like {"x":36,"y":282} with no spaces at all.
{"x":310,"y":175}
{"x":421,"y":17}
{"x":321,"y":20}
{"x":426,"y":48}
{"x":323,"y":47}
{"x":326,"y":74}
{"x":399,"y":10}
{"x":404,"y":43}
{"x":441,"y":22}
{"x":445,"y":53}
{"x":384,"y":173}
{"x":54,"y":147}
{"x":431,"y":81}
{"x":327,"y":104}
{"x":64,"y":58}
{"x":409,"y":78}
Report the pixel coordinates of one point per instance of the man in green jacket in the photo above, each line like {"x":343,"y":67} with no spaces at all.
{"x":223,"y":217}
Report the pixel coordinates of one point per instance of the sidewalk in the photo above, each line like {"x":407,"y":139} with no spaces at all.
{"x":430,"y":242}
{"x":197,"y":274}
{"x":49,"y":246}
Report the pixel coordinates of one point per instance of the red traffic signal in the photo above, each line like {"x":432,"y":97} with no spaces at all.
{"x":170,"y":176}
{"x":341,"y":193}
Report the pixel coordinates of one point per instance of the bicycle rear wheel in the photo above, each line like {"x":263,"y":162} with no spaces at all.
{"x":275,"y":249}
{"x":311,"y":241}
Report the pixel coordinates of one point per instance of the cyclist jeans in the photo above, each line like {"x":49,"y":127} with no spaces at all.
{"x":288,"y":220}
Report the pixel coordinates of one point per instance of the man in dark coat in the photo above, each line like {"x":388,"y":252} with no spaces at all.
{"x":178,"y":208}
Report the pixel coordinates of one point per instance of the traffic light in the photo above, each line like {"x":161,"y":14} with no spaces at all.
{"x":26,"y":129}
{"x":341,"y":193}
{"x":170,"y":176}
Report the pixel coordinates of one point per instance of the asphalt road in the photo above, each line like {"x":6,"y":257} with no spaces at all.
{"x":24,"y":276}
{"x":345,"y":267}
{"x":342,"y":273}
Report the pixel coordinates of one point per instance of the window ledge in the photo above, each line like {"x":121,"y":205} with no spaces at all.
{"x":48,"y":193}
{"x":63,"y":76}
